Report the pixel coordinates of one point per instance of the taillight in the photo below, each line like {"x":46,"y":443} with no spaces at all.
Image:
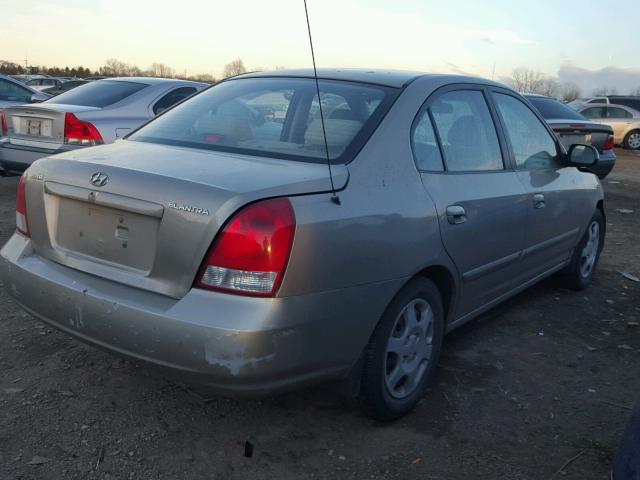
{"x":77,"y":132}
{"x":250,"y":255}
{"x":4,"y":128}
{"x":22,"y":225}
{"x":608,"y":145}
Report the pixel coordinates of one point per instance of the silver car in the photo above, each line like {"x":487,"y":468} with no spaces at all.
{"x":625,"y":122}
{"x":92,"y":114}
{"x":228,"y":242}
{"x":13,"y":92}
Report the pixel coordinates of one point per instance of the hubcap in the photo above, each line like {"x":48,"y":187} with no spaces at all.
{"x":634,"y":141}
{"x":590,"y":250}
{"x":409,"y":348}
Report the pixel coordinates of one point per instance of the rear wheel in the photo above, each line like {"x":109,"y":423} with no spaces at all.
{"x":403,"y":352}
{"x":632,"y":140}
{"x":586,"y":255}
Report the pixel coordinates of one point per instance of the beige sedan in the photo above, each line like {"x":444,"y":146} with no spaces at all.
{"x":625,"y":122}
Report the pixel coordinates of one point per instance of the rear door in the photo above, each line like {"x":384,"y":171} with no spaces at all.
{"x":557,"y":203}
{"x":619,"y":119}
{"x":481,"y":203}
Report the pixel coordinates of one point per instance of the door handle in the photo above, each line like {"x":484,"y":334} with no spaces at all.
{"x":538,"y":201}
{"x":456,"y":214}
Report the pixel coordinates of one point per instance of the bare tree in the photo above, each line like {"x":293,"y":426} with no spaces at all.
{"x":115,"y":68}
{"x":549,"y":87}
{"x":525,"y":80}
{"x":234,"y":68}
{"x":161,"y":70}
{"x":205,"y":77}
{"x":602,"y":91}
{"x":636,"y":92}
{"x":570,"y":92}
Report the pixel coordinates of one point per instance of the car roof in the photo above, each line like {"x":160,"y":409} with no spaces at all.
{"x":538,"y":95}
{"x":151,"y":80}
{"x":389,"y":78}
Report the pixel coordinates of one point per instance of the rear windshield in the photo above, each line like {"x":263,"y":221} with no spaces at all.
{"x":550,"y":109}
{"x":275,"y":117}
{"x":99,"y":94}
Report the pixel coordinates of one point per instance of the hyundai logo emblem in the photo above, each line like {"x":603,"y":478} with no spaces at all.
{"x":99,"y":179}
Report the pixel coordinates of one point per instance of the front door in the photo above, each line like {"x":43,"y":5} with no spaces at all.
{"x":481,"y":203}
{"x":556,"y":202}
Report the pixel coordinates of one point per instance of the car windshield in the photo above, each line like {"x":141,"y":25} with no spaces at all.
{"x":550,"y":108}
{"x":99,"y":94}
{"x":275,"y":117}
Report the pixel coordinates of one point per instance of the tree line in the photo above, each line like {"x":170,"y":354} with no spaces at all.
{"x":525,"y":80}
{"x":117,"y":68}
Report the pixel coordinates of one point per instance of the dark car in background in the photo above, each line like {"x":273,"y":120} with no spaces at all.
{"x":571,"y":127}
{"x":64,"y":87}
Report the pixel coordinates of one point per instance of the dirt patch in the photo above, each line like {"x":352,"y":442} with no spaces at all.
{"x":543,"y":378}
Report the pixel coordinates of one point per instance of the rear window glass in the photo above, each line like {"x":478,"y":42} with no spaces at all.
{"x":275,"y":117}
{"x":99,"y":94}
{"x":550,"y":108}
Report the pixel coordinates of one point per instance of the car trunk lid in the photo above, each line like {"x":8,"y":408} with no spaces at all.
{"x":145,"y":215}
{"x":571,"y":132}
{"x":40,"y":126}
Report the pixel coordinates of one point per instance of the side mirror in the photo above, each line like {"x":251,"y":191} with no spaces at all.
{"x":583,"y":155}
{"x":39,"y":97}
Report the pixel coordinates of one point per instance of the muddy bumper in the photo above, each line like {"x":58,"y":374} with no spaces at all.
{"x":235,"y":344}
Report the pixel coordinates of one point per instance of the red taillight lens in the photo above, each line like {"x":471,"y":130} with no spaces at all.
{"x":608,"y":145}
{"x":22,"y":225}
{"x":251,"y":253}
{"x":4,"y":128}
{"x":77,"y":132}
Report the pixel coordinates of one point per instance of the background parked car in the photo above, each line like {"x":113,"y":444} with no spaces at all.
{"x":13,"y":92}
{"x":64,"y":87}
{"x":571,"y":127}
{"x":632,"y":101}
{"x":91,"y":114}
{"x":624,"y":121}
{"x":42,"y":83}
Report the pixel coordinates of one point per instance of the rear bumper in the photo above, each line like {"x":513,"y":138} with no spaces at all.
{"x":17,"y":158}
{"x":235,"y":344}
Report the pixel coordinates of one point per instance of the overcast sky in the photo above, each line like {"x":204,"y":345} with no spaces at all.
{"x":488,"y":38}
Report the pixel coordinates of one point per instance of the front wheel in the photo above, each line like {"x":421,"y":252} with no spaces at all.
{"x":586,"y":255}
{"x":632,"y":140}
{"x":403,"y":352}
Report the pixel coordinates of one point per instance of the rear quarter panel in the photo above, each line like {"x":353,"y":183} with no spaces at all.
{"x":386,"y":227}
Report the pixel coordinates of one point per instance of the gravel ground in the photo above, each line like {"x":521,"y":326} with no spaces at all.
{"x":546,"y":378}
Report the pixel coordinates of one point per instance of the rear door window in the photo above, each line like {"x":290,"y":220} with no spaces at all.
{"x":101,"y":93}
{"x":173,"y":97}
{"x":593,"y":112}
{"x":467,"y":132}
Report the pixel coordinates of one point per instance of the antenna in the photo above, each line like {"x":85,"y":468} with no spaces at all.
{"x":334,"y":196}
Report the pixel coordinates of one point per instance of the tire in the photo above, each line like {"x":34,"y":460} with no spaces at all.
{"x":402,"y":355}
{"x":632,"y":140}
{"x":586,"y":255}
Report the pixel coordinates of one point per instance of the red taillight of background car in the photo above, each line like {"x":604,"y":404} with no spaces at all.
{"x":608,"y":145}
{"x":78,"y":132}
{"x":4,"y":128}
{"x":22,"y":225}
{"x":251,"y":253}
